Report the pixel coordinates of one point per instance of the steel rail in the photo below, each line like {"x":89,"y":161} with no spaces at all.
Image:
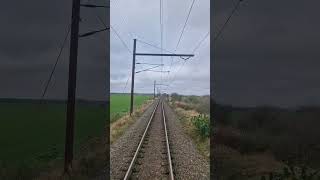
{"x":167,"y":143}
{"x":129,"y":171}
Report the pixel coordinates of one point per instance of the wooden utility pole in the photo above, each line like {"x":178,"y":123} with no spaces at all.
{"x":134,"y":54}
{"x":133,"y":73}
{"x":69,"y":136}
{"x":154,"y":90}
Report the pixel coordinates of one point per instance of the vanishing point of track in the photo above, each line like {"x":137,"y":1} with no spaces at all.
{"x":152,"y":158}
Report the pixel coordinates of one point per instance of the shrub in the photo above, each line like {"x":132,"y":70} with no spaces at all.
{"x":241,"y":141}
{"x":291,"y":172}
{"x":202,"y":124}
{"x":184,"y":106}
{"x":176,"y":97}
{"x":192,"y":99}
{"x":203,"y":106}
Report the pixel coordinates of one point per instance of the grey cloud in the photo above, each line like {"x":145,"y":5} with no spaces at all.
{"x":140,"y":19}
{"x":268,"y":53}
{"x":31,"y":36}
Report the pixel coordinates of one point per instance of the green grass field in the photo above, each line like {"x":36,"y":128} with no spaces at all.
{"x":33,"y":133}
{"x":120,"y":104}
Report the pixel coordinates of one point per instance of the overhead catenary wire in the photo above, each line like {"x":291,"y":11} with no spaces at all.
{"x":126,"y":84}
{"x":227,"y":21}
{"x":182,"y":31}
{"x":173,"y":79}
{"x":101,"y":21}
{"x":122,"y":41}
{"x":148,"y":69}
{"x":208,"y":33}
{"x":58,"y":58}
{"x":123,"y":19}
{"x":147,"y":43}
{"x":56,"y":62}
{"x":185,"y":24}
{"x":118,"y":35}
{"x":180,"y":40}
{"x":201,"y":41}
{"x":125,"y":45}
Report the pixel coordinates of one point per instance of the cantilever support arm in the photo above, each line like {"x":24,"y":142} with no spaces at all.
{"x":151,"y":54}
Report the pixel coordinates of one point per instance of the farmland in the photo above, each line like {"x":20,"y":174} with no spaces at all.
{"x":34,"y":133}
{"x":120,"y":104}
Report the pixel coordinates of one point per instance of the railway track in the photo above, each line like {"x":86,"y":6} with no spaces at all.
{"x":152,"y":157}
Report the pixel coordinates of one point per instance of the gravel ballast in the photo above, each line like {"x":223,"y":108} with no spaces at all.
{"x":122,"y":150}
{"x":187,"y":162}
{"x":152,"y":158}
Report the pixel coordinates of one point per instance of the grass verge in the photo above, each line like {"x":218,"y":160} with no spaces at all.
{"x":88,"y":164}
{"x":119,"y":126}
{"x":186,"y":115}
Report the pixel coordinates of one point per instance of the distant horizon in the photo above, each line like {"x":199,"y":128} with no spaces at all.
{"x":152,"y":93}
{"x":269,"y":106}
{"x":39,"y":99}
{"x":220,"y":104}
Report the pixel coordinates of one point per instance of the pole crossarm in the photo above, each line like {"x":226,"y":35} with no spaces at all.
{"x":162,"y":84}
{"x":150,"y":64}
{"x":153,"y":71}
{"x":93,"y":6}
{"x":151,"y":54}
{"x":134,"y":54}
{"x":92,"y":32}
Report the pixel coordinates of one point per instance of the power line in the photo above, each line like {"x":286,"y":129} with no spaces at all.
{"x":174,"y":77}
{"x":101,"y":21}
{"x":148,"y":69}
{"x":203,"y":39}
{"x":118,"y":35}
{"x":182,"y":32}
{"x":228,"y":19}
{"x":208,"y":33}
{"x":149,"y":63}
{"x":185,"y":24}
{"x":126,"y":84}
{"x":57,"y":60}
{"x":123,"y":19}
{"x":155,"y":46}
{"x":126,"y":48}
{"x":58,"y":57}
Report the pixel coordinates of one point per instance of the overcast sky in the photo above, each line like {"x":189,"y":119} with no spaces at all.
{"x":31,"y":34}
{"x":268,"y":53}
{"x":141,"y":19}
